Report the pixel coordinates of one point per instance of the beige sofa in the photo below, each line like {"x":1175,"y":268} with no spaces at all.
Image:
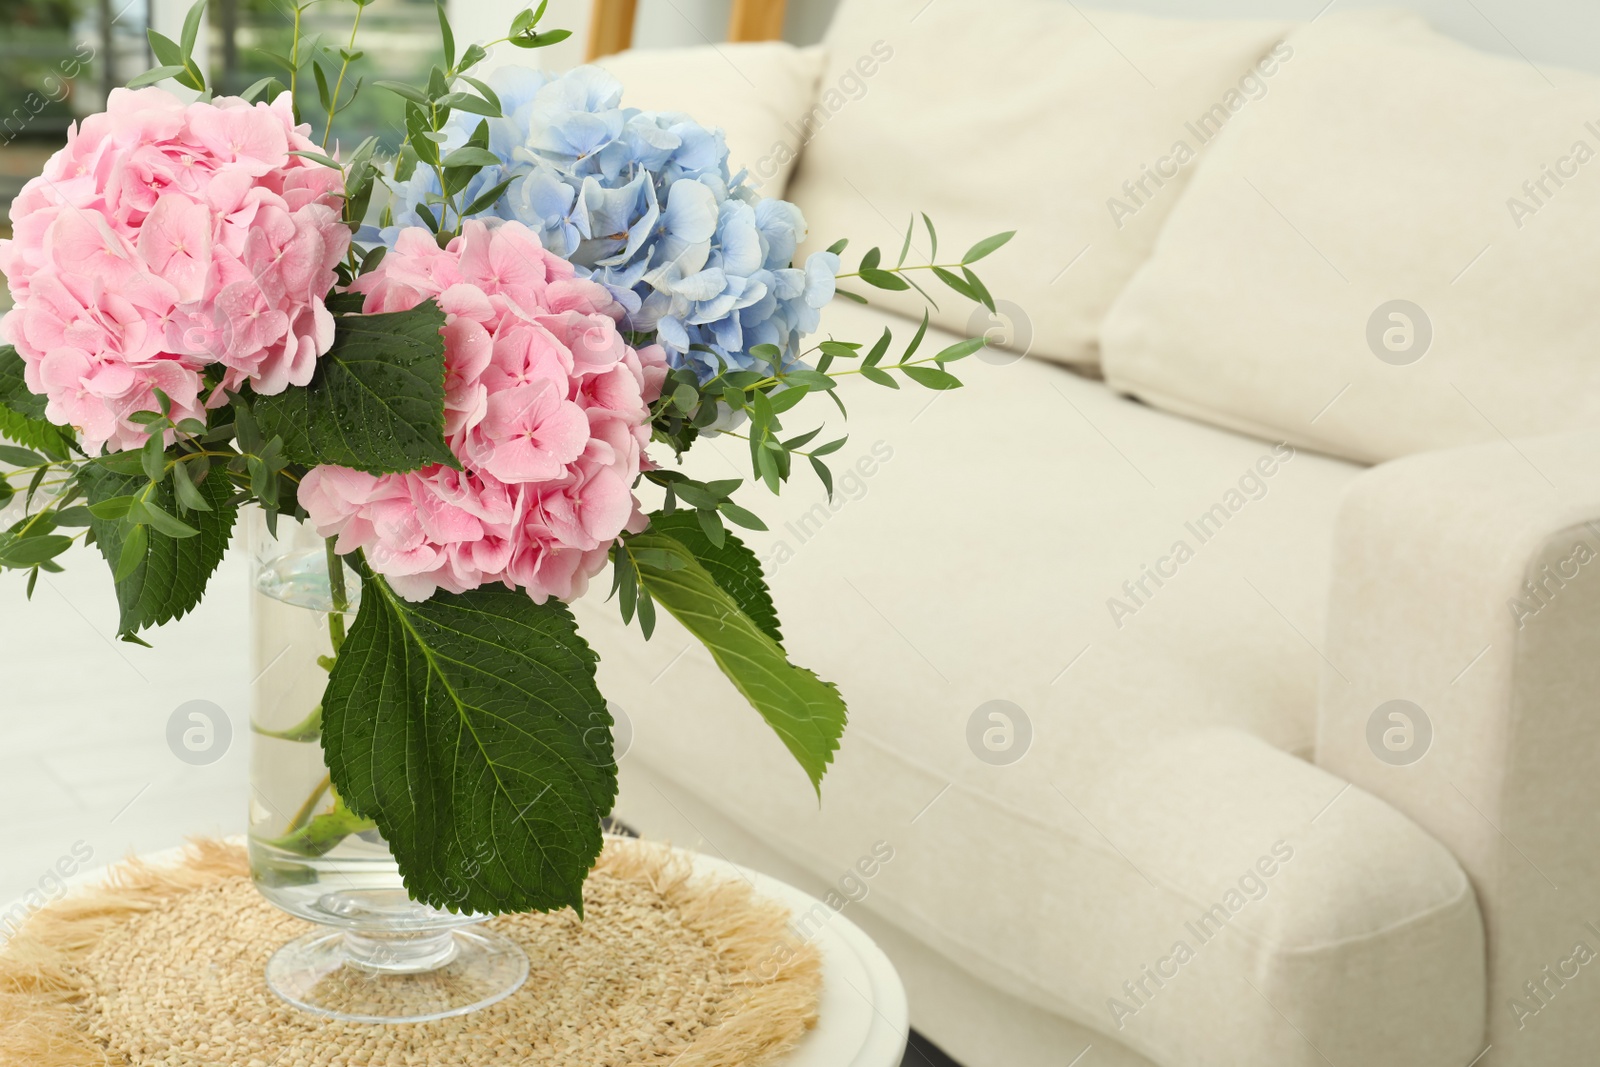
{"x":1196,"y":737}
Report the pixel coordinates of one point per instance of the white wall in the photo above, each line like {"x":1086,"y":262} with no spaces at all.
{"x":1546,"y":32}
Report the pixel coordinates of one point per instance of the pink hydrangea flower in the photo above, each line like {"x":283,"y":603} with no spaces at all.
{"x":164,"y":238}
{"x":546,"y":406}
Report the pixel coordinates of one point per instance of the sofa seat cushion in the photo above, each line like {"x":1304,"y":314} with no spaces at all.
{"x":1034,"y":115}
{"x":1117,"y":572}
{"x":1390,"y":253}
{"x":1017,"y":541}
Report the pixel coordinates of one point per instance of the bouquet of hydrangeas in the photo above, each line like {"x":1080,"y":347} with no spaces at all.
{"x":462,"y":395}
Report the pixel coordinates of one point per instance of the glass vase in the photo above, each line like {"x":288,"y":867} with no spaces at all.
{"x":376,"y":955}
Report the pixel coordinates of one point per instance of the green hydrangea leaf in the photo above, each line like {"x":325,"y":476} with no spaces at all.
{"x":376,"y":402}
{"x":807,"y":712}
{"x":733,"y":566}
{"x":469,"y":727}
{"x":22,"y":412}
{"x":170,"y":575}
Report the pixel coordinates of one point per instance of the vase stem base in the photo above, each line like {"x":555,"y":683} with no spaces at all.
{"x":406,"y":979}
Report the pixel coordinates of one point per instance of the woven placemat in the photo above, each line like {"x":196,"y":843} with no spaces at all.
{"x":165,"y":967}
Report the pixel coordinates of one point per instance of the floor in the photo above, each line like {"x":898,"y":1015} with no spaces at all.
{"x":924,"y":1053}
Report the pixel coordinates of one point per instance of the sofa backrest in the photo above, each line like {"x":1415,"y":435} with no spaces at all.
{"x":1077,"y":128}
{"x":756,"y":92}
{"x":1395,"y":251}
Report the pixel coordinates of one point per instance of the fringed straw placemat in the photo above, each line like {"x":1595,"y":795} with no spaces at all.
{"x":164,"y":967}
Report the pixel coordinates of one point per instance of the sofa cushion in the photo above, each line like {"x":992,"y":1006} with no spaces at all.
{"x":985,"y":538}
{"x":1027,"y":115}
{"x":1018,"y":542}
{"x":1391,"y":253}
{"x":757,"y":92}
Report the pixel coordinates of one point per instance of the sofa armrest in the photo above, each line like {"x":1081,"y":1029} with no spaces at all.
{"x":1467,"y":583}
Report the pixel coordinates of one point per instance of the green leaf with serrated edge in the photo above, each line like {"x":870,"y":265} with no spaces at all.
{"x":36,"y":433}
{"x":376,"y":402}
{"x":22,"y":411}
{"x":167,"y":576}
{"x":807,"y":713}
{"x":473,"y":717}
{"x":986,"y":246}
{"x":732,"y":565}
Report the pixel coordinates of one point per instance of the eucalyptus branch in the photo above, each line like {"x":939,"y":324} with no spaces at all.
{"x":294,"y":59}
{"x":901,"y":269}
{"x":338,"y":84}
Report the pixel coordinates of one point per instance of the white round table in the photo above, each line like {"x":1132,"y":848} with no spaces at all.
{"x":863,"y":1019}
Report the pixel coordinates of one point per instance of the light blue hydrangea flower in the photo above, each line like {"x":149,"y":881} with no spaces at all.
{"x":643,"y":202}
